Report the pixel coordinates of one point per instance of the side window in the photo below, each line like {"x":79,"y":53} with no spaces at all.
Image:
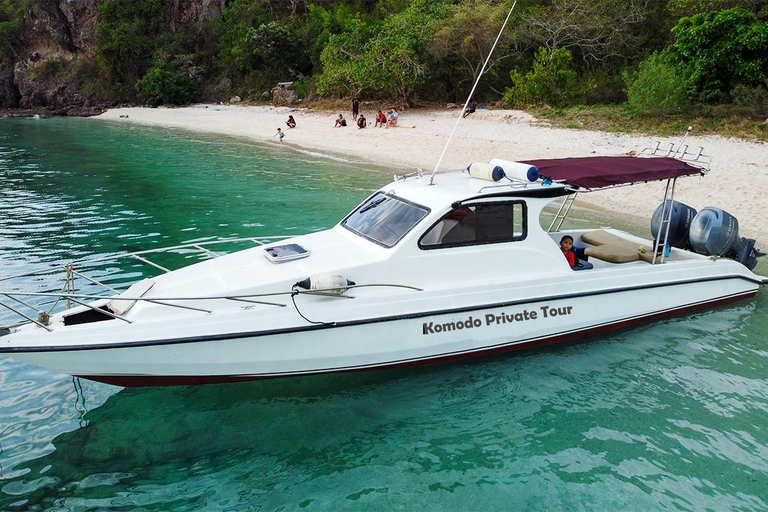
{"x":484,"y":223}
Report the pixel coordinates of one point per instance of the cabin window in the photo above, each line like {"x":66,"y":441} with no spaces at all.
{"x":384,"y":219}
{"x":484,"y":223}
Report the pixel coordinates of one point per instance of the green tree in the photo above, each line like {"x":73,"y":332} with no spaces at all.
{"x":163,"y":84}
{"x":388,"y":57}
{"x":463,"y":38}
{"x":658,"y":86}
{"x":343,"y":63}
{"x":719,"y":50}
{"x":11,"y":24}
{"x":323,"y":21}
{"x":127,"y":35}
{"x":272,"y":45}
{"x":231,"y":32}
{"x":552,"y":80}
{"x":683,"y":8}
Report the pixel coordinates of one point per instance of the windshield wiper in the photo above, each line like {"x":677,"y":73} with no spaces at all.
{"x":372,"y":205}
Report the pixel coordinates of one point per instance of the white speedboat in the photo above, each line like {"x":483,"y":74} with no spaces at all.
{"x":424,"y":270}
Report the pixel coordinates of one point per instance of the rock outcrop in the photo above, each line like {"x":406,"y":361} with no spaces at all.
{"x":57,"y":36}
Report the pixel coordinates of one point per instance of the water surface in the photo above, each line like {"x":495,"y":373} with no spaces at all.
{"x":670,"y":415}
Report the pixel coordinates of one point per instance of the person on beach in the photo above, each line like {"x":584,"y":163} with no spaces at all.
{"x":566,"y":245}
{"x":470,"y":108}
{"x":340,"y":121}
{"x":355,"y":107}
{"x":291,"y":122}
{"x":381,"y":119}
{"x":361,"y":122}
{"x":280,"y":134}
{"x":393,"y":117}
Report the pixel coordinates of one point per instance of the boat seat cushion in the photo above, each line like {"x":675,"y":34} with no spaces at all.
{"x":613,"y":253}
{"x":602,"y":237}
{"x":609,"y":247}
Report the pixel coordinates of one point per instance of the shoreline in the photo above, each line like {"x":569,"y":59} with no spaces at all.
{"x":737,"y":181}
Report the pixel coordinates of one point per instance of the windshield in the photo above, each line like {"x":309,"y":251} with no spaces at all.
{"x":384,"y":219}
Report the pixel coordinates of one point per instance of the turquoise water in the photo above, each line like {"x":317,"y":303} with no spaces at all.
{"x":670,"y":415}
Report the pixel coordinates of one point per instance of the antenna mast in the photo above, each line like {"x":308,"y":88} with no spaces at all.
{"x":471,"y":93}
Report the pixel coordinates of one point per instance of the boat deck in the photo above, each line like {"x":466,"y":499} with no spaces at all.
{"x":609,"y":248}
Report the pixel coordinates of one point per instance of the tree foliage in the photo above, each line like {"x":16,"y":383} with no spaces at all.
{"x":552,"y":80}
{"x":164,"y":85}
{"x":686,"y":8}
{"x":463,"y":38}
{"x":387,"y":57}
{"x":590,"y":29}
{"x":657,"y":87}
{"x":11,"y":24}
{"x":127,"y":35}
{"x":655,"y":53}
{"x":719,"y":50}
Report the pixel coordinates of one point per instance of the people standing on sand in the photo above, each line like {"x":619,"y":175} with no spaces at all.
{"x":280,"y":134}
{"x":340,"y":121}
{"x":393,"y":117}
{"x":361,"y":122}
{"x":355,"y":107}
{"x":381,"y":119}
{"x":291,"y":122}
{"x":470,"y":108}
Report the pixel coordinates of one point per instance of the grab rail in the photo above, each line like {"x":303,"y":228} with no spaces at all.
{"x":68,"y":294}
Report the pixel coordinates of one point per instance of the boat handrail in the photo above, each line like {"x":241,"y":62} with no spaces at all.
{"x":67,"y":292}
{"x":318,"y":291}
{"x":260,"y":240}
{"x":138,"y":255}
{"x":513,"y":184}
{"x":680,"y":152}
{"x":42,"y":320}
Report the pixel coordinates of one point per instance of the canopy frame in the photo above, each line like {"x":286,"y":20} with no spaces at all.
{"x":613,"y":172}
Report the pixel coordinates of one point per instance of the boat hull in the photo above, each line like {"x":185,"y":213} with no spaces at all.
{"x":384,"y":343}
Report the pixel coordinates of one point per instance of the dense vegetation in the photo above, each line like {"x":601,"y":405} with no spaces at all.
{"x":654,"y":57}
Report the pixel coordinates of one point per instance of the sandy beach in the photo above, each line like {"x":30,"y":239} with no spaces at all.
{"x":737,"y":182}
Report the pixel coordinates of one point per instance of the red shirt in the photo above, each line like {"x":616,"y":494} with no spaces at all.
{"x":570,"y":257}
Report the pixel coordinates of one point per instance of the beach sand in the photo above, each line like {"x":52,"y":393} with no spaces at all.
{"x":737,"y":182}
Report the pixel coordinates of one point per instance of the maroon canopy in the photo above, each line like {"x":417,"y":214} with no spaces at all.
{"x":595,"y":172}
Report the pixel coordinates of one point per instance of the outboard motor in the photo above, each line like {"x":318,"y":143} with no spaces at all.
{"x":715,"y":232}
{"x":679,"y":223}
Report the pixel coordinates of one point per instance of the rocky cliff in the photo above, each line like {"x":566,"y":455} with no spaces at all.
{"x":58,"y":36}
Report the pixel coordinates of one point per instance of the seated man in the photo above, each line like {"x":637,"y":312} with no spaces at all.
{"x":361,"y":121}
{"x":340,"y":121}
{"x":291,"y":122}
{"x":470,"y":108}
{"x":381,"y":119}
